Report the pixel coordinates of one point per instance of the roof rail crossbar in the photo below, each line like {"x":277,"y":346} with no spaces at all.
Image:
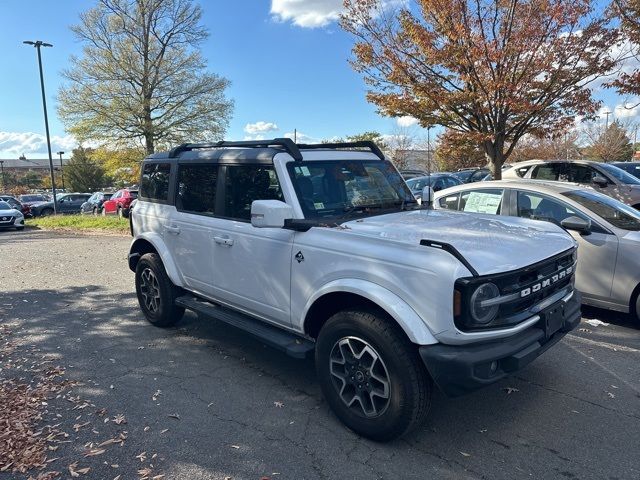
{"x":286,"y":143}
{"x":371,"y":145}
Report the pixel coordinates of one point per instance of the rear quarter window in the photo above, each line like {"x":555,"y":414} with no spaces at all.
{"x":154,"y":184}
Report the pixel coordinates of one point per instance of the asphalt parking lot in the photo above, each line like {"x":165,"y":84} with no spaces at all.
{"x":204,"y":401}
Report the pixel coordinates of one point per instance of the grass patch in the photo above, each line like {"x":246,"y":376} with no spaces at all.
{"x":86,"y":223}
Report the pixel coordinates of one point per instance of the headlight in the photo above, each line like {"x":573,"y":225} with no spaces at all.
{"x":484,"y":314}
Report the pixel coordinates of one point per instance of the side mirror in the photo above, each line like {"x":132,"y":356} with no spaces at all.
{"x":62,"y":200}
{"x":600,"y":181}
{"x":270,"y":213}
{"x":427,"y":196}
{"x":577,"y":224}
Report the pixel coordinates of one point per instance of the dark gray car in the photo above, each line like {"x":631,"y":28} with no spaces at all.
{"x":437,"y":181}
{"x":67,"y":203}
{"x":94,"y":204}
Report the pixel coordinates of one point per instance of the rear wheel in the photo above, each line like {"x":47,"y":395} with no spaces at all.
{"x":95,"y":211}
{"x":104,"y":212}
{"x":120,"y":214}
{"x":156,"y":293}
{"x":371,"y":375}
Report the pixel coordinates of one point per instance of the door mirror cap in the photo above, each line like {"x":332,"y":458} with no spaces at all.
{"x":270,"y":213}
{"x":600,"y":181}
{"x":427,"y":196}
{"x":577,"y":224}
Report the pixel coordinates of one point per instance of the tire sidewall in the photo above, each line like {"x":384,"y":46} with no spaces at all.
{"x":390,"y":423}
{"x":165,"y":314}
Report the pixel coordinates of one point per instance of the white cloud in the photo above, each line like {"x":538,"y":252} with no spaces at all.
{"x":254,"y":137}
{"x":260,"y":127}
{"x":17,"y":143}
{"x":301,"y":137}
{"x":306,"y":13}
{"x":627,"y":110}
{"x":407,"y":121}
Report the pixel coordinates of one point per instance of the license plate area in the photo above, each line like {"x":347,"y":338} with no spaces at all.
{"x":552,"y":320}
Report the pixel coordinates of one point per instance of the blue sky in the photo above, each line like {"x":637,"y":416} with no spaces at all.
{"x":286,"y":59}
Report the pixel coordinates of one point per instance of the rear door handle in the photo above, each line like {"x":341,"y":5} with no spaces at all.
{"x":172,"y":229}
{"x":224,"y":241}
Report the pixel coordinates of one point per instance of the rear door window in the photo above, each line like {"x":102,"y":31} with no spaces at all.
{"x":197,"y":189}
{"x":482,"y":201}
{"x":550,"y":171}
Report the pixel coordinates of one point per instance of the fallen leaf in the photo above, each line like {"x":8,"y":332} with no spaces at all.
{"x":142,"y":457}
{"x":510,"y":390}
{"x":278,"y":404}
{"x":596,"y":323}
{"x":174,"y":415}
{"x":93,"y":452}
{"x":119,"y":419}
{"x":464,"y":454}
{"x":235,"y":446}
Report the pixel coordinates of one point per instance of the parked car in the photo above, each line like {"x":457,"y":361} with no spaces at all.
{"x":607,"y":231}
{"x":93,"y":205}
{"x":630,"y":167}
{"x":119,"y":203}
{"x":437,"y":181}
{"x":10,"y":217}
{"x":323,"y":249}
{"x":31,"y":198}
{"x":471,"y":175}
{"x":67,"y":203}
{"x":15,"y":203}
{"x":603,"y":177}
{"x":408,"y":173}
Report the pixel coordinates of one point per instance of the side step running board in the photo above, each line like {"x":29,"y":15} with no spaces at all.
{"x":290,"y":343}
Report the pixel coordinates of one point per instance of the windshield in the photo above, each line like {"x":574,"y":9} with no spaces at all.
{"x":616,"y":213}
{"x":620,"y":174}
{"x":4,"y":206}
{"x":337,"y":188}
{"x":417,"y":184}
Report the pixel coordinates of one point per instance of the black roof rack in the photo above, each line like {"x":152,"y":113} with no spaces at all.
{"x":287,"y":144}
{"x":371,"y":145}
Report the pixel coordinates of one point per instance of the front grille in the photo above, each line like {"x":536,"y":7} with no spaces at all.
{"x":6,"y":219}
{"x":520,"y":290}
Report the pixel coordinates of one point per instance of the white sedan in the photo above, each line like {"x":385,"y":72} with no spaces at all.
{"x":10,"y":217}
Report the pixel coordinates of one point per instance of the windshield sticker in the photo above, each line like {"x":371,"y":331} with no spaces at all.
{"x":318,"y":205}
{"x":479,"y":202}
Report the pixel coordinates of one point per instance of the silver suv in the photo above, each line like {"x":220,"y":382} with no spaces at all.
{"x":603,"y":177}
{"x":323,"y":249}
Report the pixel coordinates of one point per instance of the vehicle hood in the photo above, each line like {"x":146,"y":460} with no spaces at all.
{"x":10,"y":213}
{"x":491,"y":244}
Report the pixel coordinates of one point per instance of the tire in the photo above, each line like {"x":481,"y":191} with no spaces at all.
{"x":95,"y":211}
{"x":381,"y":350}
{"x":46,"y":212}
{"x":120,"y":214}
{"x":635,"y":307}
{"x":152,"y":279}
{"x":104,"y":212}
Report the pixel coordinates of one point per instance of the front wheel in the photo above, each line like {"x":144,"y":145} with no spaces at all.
{"x":156,"y":293}
{"x":120,"y":214}
{"x":371,"y":375}
{"x":46,"y":212}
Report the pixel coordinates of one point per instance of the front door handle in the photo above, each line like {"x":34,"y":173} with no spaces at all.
{"x":172,"y":229}
{"x":224,"y":241}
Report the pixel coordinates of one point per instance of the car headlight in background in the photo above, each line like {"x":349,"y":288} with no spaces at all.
{"x":481,"y":310}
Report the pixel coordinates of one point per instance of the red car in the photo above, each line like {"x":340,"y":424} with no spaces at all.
{"x":119,"y":203}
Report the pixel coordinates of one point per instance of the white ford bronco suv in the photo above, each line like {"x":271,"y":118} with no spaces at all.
{"x":323,"y":248}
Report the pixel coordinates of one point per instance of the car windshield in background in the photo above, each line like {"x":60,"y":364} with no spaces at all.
{"x":107,"y":196}
{"x":5,"y":206}
{"x":337,"y":188}
{"x":620,"y":174}
{"x":417,"y":184}
{"x":32,"y":198}
{"x":616,"y":213}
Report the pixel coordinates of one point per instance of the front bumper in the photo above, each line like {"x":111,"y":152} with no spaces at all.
{"x":459,"y":369}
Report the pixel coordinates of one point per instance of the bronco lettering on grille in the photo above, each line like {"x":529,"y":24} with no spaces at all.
{"x":547,"y":282}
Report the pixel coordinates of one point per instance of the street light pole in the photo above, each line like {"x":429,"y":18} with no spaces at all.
{"x":4,"y":185}
{"x":37,"y":44}
{"x":61,"y":169}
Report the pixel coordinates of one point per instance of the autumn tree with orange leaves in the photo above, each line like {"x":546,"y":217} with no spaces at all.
{"x":493,"y":70}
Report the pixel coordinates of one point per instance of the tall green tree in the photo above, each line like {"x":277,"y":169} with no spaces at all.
{"x":141,"y":79}
{"x":82,"y":173}
{"x":494,"y":70}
